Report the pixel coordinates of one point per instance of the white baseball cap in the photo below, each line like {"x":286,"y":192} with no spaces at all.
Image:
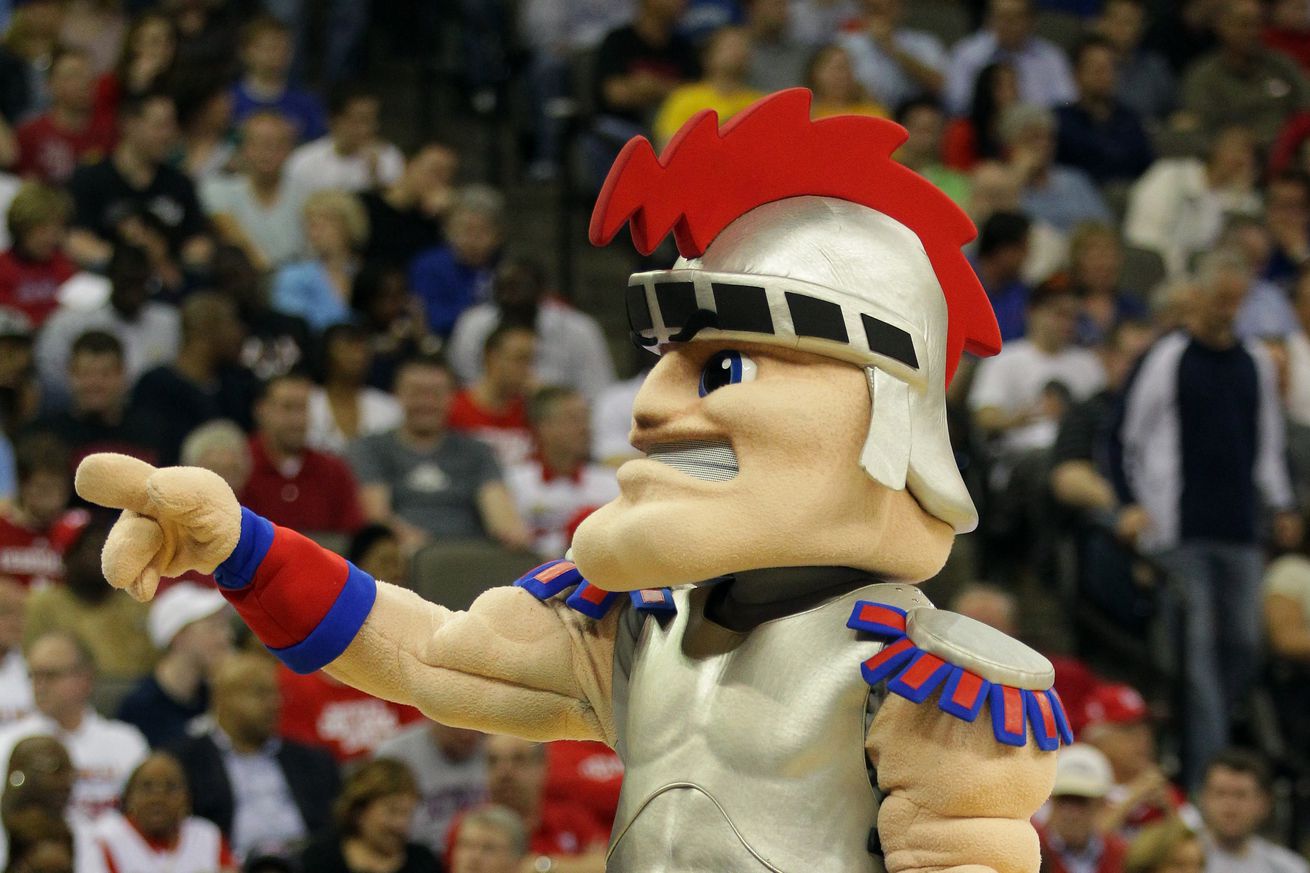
{"x":1083,"y":771}
{"x":179,"y":606}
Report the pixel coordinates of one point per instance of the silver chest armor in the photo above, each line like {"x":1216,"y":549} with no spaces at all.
{"x":744,"y":752}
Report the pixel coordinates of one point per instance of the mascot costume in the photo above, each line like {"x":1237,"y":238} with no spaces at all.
{"x":741,"y":624}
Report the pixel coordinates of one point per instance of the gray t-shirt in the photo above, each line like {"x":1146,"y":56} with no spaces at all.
{"x":445,"y":787}
{"x":435,"y":490}
{"x":1261,"y":856}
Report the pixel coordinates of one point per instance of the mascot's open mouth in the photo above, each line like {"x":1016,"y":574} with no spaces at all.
{"x":708,"y":460}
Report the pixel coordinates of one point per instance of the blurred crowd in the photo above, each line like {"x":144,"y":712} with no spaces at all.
{"x":216,"y":253}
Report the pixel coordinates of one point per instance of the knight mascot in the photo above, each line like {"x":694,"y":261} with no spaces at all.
{"x":742,"y":623}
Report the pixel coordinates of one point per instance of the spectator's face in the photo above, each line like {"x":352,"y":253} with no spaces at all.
{"x":516,"y":772}
{"x":384,"y":823}
{"x":834,"y":78}
{"x":1011,"y":21}
{"x":226,"y":334}
{"x":268,"y":54}
{"x":231,"y":463}
{"x":247,"y":702}
{"x":390,"y":302}
{"x":1239,"y":26}
{"x":1285,"y":204}
{"x":97,"y":382}
{"x":665,"y":11}
{"x":483,"y":848}
{"x":1100,"y":261}
{"x":1233,"y":804}
{"x":48,"y":772}
{"x":1216,"y":308}
{"x":326,"y":233}
{"x":509,"y":365}
{"x":70,"y":83}
{"x":284,"y":414}
{"x":1037,"y":139}
{"x":1055,"y":320}
{"x":431,"y":169}
{"x":456,"y":744}
{"x":349,"y":357}
{"x":1290,"y":14}
{"x":266,"y":144}
{"x":1122,"y":23}
{"x":13,"y":603}
{"x":44,"y":495}
{"x":131,"y":289}
{"x":356,"y":125}
{"x":425,"y":394}
{"x":474,"y":236}
{"x":1233,"y":156}
{"x":770,"y":16}
{"x":41,"y":241}
{"x":208,"y":640}
{"x":385,"y":561}
{"x":993,"y":189}
{"x":61,"y":686}
{"x":1130,"y":748}
{"x":157,"y":800}
{"x":154,"y":40}
{"x":729,"y":54}
{"x":925,"y":125}
{"x":1096,"y":74}
{"x":1073,"y":818}
{"x":153,"y":133}
{"x":516,"y":287}
{"x":1187,"y":857}
{"x":566,"y":428}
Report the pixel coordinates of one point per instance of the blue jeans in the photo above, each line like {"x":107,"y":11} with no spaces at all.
{"x":1216,"y":586}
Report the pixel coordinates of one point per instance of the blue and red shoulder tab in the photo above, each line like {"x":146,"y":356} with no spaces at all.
{"x":553,"y":578}
{"x":928,"y":650}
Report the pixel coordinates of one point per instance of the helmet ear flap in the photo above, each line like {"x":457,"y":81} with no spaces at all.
{"x":886,"y":453}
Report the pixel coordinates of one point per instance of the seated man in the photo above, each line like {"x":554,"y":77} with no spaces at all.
{"x":425,"y":482}
{"x":1236,"y":800}
{"x":1070,"y":837}
{"x":37,"y":526}
{"x":494,"y":407}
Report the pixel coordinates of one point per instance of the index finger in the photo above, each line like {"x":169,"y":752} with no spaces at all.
{"x":114,"y":480}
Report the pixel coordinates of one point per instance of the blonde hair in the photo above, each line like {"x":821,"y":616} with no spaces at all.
{"x":219,"y":434}
{"x":1153,"y":846}
{"x":343,"y":207}
{"x":36,"y":204}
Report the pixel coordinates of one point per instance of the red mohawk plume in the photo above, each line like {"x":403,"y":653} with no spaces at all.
{"x":708,"y":177}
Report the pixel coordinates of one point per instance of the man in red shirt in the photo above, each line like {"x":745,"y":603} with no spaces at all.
{"x":37,"y":527}
{"x":53,"y":144}
{"x":293,"y":485}
{"x":494,"y":408}
{"x":32,"y":270}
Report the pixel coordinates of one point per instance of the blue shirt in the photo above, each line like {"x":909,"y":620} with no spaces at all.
{"x":306,"y":290}
{"x":302,"y":108}
{"x":447,"y":287}
{"x":1010,"y":302}
{"x":1116,"y":148}
{"x":1067,"y":199}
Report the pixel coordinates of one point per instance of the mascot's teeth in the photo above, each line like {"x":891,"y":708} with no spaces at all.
{"x":708,"y":460}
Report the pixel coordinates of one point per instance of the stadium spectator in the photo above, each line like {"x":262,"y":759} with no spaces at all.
{"x":373,"y":817}
{"x":1096,"y":261}
{"x":21,"y":392}
{"x":1146,"y":83}
{"x":1286,"y":605}
{"x":494,"y":407}
{"x":1098,"y":134}
{"x":191,"y":627}
{"x":53,"y":144}
{"x":1168,"y":847}
{"x":571,"y":349}
{"x":222,"y":447}
{"x":450,"y":767}
{"x":205,"y":382}
{"x":1177,"y":207}
{"x":1287,"y":217}
{"x":98,"y":418}
{"x":423,"y":481}
{"x":1242,"y":81}
{"x":258,"y":209}
{"x":344,"y":408}
{"x":722,"y":87}
{"x":1202,"y":436}
{"x":149,"y":331}
{"x":830,"y":76}
{"x":558,"y":488}
{"x":155,"y":830}
{"x":1059,"y":195}
{"x":1235,"y":801}
{"x":108,"y":622}
{"x":15,"y":684}
{"x":39,"y":779}
{"x":1266,"y":313}
{"x":1002,"y":250}
{"x":925,"y":123}
{"x":275,"y":343}
{"x":1041,"y":69}
{"x":34,"y":267}
{"x":135,"y":196}
{"x":1287,"y":30}
{"x":352,"y":156}
{"x":37,"y":526}
{"x":777,"y":57}
{"x":1070,"y":838}
{"x":292,"y":484}
{"x":103,"y":751}
{"x":266,"y":794}
{"x":392,"y":319}
{"x":405,"y":217}
{"x":894,"y":63}
{"x":318,"y":289}
{"x":976,"y":135}
{"x":587,"y":773}
{"x":144,"y":65}
{"x":42,"y":843}
{"x":450,"y":278}
{"x":265,"y":84}
{"x":491,"y":840}
{"x":97,"y":30}
{"x":375,"y":549}
{"x":204,"y":117}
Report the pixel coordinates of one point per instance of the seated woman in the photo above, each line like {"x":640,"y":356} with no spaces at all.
{"x":831,"y":76}
{"x":373,"y":817}
{"x":344,"y":407}
{"x":156,"y":832}
{"x":318,"y":289}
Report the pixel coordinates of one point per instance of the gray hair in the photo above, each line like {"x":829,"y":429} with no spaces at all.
{"x":1020,"y":117}
{"x":218,"y":434}
{"x":1213,"y":264}
{"x":503,"y":819}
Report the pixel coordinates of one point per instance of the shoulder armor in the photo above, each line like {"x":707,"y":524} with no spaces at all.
{"x":972,"y":663}
{"x":552,"y":579}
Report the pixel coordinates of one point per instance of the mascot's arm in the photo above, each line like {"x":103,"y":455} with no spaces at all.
{"x":956,"y":799}
{"x":511,"y":664}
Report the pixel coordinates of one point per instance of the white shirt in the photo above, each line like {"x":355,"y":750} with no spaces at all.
{"x":265,"y":817}
{"x":551,"y":505}
{"x":104,"y":752}
{"x":15,"y":688}
{"x":881,"y":74}
{"x":317,"y":165}
{"x":151,"y":340}
{"x":199,"y":847}
{"x":1040,"y":66}
{"x":378,"y":412}
{"x":1261,"y":856}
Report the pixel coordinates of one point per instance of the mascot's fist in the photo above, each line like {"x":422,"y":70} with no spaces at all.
{"x":174,"y":520}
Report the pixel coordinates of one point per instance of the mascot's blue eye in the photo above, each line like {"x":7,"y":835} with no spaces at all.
{"x":726,"y":368}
